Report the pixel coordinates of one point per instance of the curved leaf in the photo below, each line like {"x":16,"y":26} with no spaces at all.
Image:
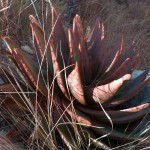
{"x":27,"y":66}
{"x":57,"y":72}
{"x":39,"y":34}
{"x":113,"y":133}
{"x":132,"y":93}
{"x":75,"y":85}
{"x":78,"y":115}
{"x":96,"y":46}
{"x":42,"y":44}
{"x":81,"y":44}
{"x":59,"y":39}
{"x":119,"y":72}
{"x":114,"y":61}
{"x":105,"y":92}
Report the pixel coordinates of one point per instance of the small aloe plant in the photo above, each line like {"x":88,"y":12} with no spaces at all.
{"x":69,"y":92}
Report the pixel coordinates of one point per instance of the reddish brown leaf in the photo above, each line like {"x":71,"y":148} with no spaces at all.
{"x":132,"y":93}
{"x":77,"y":115}
{"x":26,"y":65}
{"x":119,"y":116}
{"x":105,"y":92}
{"x":96,"y":44}
{"x":114,"y":61}
{"x":59,"y":39}
{"x":39,"y":34}
{"x":75,"y":85}
{"x":113,"y":133}
{"x":42,"y":44}
{"x":119,"y":72}
{"x":81,"y":44}
{"x":57,"y":72}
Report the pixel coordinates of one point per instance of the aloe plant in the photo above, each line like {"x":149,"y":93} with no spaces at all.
{"x":69,"y":92}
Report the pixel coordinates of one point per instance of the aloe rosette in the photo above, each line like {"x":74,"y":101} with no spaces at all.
{"x":75,"y":85}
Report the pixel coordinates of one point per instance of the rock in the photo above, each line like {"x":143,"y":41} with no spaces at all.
{"x":142,"y":97}
{"x":1,"y":81}
{"x":3,"y":132}
{"x":27,"y":49}
{"x":137,"y":72}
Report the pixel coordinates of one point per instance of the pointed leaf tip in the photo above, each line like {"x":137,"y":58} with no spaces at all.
{"x":31,"y":17}
{"x":103,"y":93}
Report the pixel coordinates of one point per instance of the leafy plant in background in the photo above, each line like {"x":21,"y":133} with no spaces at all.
{"x":68,"y":93}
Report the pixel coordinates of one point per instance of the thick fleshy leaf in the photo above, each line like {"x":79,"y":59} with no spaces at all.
{"x":129,"y":54}
{"x":12,"y":103}
{"x":118,"y":73}
{"x":113,"y":133}
{"x":42,"y":45}
{"x":9,"y":74}
{"x":105,"y":92}
{"x":78,"y":115}
{"x":133,"y":83}
{"x":96,"y":41}
{"x":114,"y":61}
{"x":96,"y":45}
{"x":26,"y":65}
{"x":8,"y":88}
{"x":133,"y":113}
{"x":57,"y":72}
{"x":74,"y":51}
{"x":132,"y":93}
{"x":65,"y":130}
{"x":94,"y":142}
{"x":80,"y":42}
{"x":59,"y":38}
{"x":5,"y":75}
{"x":97,"y":72}
{"x":67,"y":135}
{"x":131,"y":89}
{"x":118,"y":116}
{"x":75,"y":85}
{"x":39,"y":35}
